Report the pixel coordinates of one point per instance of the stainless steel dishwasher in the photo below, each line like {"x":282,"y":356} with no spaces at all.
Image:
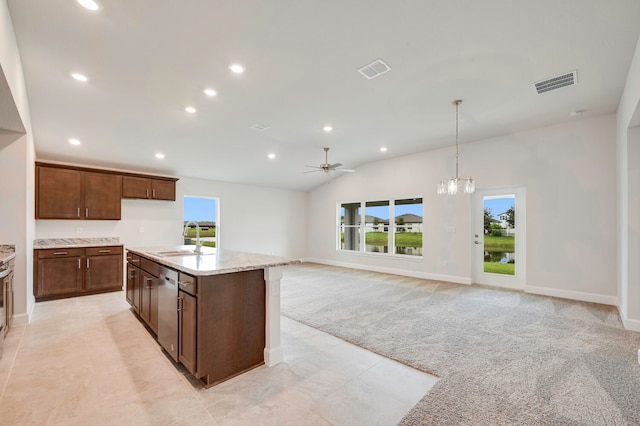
{"x":168,"y":311}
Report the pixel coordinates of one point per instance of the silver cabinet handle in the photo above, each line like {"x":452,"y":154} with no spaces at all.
{"x":86,"y":212}
{"x":147,"y":192}
{"x":180,"y":304}
{"x":147,"y":280}
{"x":105,"y":251}
{"x":154,"y":193}
{"x":78,"y":263}
{"x":78,"y":211}
{"x":60,"y":253}
{"x":87,"y":263}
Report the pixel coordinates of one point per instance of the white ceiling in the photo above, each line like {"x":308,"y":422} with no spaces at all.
{"x":148,"y":59}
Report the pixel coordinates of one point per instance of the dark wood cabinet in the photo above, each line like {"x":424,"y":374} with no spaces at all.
{"x":102,"y":196}
{"x":58,"y":193}
{"x":58,"y":273}
{"x":76,"y":271}
{"x":103,"y":268}
{"x":187,"y":318}
{"x":74,"y":194}
{"x":142,"y":289}
{"x":148,"y":188}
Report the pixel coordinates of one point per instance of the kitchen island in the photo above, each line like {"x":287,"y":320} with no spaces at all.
{"x":217,"y":312}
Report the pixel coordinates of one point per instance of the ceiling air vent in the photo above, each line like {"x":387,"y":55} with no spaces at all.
{"x":259,"y":127}
{"x":568,"y":79}
{"x":374,"y":69}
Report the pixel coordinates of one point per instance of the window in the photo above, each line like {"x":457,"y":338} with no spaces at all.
{"x":369,"y":221}
{"x":204,"y":212}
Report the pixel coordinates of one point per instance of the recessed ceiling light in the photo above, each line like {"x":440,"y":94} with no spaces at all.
{"x":74,"y":142}
{"x":576,"y":113}
{"x":89,"y":4}
{"x":159,"y":156}
{"x":190,"y":109}
{"x":79,"y":77}
{"x":327,"y":129}
{"x":271,"y":156}
{"x":237,"y":68}
{"x":210,"y":92}
{"x":383,"y":149}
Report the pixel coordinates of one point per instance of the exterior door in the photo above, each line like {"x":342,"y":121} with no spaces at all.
{"x":498,"y":240}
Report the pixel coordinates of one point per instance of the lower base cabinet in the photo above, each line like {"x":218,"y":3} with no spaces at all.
{"x":221,"y":317}
{"x":61,"y":273}
{"x":187,"y":331}
{"x":142,"y":289}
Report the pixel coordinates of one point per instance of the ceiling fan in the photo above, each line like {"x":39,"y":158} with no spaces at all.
{"x":326,"y":167}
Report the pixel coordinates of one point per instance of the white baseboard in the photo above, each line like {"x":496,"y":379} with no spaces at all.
{"x":573,"y":295}
{"x":20,"y":319}
{"x":629,"y":324}
{"x":393,"y":271}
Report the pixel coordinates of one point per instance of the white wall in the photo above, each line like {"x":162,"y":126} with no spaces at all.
{"x":569,"y":174}
{"x":627,"y":160}
{"x":17,"y":172}
{"x":255,"y":219}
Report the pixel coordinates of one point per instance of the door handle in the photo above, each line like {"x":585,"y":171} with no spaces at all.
{"x":477,"y":242}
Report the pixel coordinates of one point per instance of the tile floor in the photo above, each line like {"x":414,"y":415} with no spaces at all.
{"x":88,"y":360}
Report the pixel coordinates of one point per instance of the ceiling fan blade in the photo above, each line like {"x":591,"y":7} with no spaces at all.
{"x":333,"y":166}
{"x":314,"y":167}
{"x":312,"y":171}
{"x":345,"y":170}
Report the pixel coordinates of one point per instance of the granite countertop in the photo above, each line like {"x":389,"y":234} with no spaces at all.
{"x":212,"y":261}
{"x":7,"y":252}
{"x":56,"y":243}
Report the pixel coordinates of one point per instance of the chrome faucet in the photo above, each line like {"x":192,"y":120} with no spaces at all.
{"x":198,"y":249}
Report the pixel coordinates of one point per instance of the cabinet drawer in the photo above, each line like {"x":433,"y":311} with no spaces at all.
{"x":150,"y":266}
{"x":102,"y":251}
{"x":134,"y":259}
{"x":62,"y":253}
{"x":187,"y":283}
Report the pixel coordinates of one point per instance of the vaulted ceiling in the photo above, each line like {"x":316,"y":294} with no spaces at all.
{"x":147,"y":60}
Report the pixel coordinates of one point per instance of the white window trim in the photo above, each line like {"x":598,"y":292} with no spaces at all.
{"x":362,"y":251}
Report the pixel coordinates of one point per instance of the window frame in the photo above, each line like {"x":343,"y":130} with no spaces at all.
{"x":392,"y":229}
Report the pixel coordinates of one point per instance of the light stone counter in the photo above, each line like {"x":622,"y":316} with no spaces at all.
{"x":7,"y":252}
{"x":212,"y":261}
{"x":57,"y":243}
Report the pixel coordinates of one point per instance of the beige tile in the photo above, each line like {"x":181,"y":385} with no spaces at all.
{"x":89,"y":360}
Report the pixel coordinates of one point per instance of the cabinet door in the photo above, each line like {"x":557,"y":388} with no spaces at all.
{"x":149,"y":300}
{"x":58,"y":193}
{"x":131,"y":284}
{"x":135,"y":187}
{"x":103,"y":272}
{"x":187,"y":332}
{"x":163,"y":189}
{"x":59,"y":276}
{"x":102,"y":196}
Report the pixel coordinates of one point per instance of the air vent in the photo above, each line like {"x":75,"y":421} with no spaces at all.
{"x":374,"y":69}
{"x":568,"y":79}
{"x":259,"y":127}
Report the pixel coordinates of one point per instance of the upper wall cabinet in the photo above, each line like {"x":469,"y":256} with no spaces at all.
{"x":71,"y":192}
{"x":75,"y":194}
{"x":148,"y":188}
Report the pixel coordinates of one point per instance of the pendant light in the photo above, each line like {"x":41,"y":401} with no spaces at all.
{"x":452,"y":185}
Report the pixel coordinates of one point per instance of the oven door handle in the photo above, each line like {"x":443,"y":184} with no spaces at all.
{"x":4,"y":273}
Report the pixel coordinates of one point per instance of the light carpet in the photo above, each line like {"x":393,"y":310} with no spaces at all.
{"x":504,"y":357}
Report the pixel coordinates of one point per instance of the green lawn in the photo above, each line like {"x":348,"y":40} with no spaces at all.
{"x":403,"y":239}
{"x":211,"y":232}
{"x":504,"y":244}
{"x":500,"y":268}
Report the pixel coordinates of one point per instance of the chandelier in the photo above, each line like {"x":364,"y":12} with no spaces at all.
{"x":452,"y":185}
